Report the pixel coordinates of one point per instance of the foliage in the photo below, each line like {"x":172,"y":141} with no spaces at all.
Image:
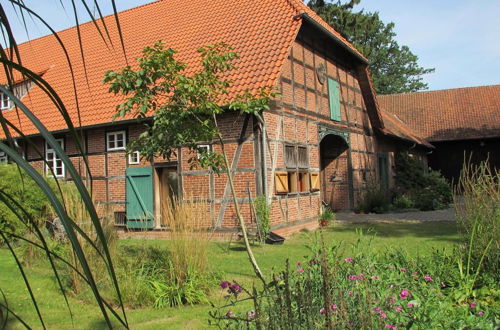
{"x":20,"y":187}
{"x":477,"y":209}
{"x":375,"y":200}
{"x":363,"y":291}
{"x":401,"y":202}
{"x":327,"y":215}
{"x":428,"y":190}
{"x":394,"y":68}
{"x":263,"y":211}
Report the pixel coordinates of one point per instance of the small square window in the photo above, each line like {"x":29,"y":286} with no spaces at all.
{"x":134,"y":158}
{"x":202,"y":149}
{"x":115,"y":141}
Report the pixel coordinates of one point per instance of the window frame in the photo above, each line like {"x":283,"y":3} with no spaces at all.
{"x":53,"y":172}
{"x":4,"y":97}
{"x":131,"y":160}
{"x":4,"y":159}
{"x":202,"y":146}
{"x":116,"y":133}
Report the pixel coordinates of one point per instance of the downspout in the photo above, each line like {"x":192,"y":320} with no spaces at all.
{"x":264,"y":154}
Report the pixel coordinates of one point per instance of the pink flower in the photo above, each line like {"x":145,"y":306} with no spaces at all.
{"x":427,"y":278}
{"x":404,"y":294}
{"x":439,"y":294}
{"x":404,"y":270}
{"x":481,"y":313}
{"x":224,"y":284}
{"x":349,"y":260}
{"x":322,"y":310}
{"x":391,"y":286}
{"x":473,"y":304}
{"x":399,"y":309}
{"x":300,"y":270}
{"x":353,"y":277}
{"x":410,"y":305}
{"x":383,"y":315}
{"x":350,"y":292}
{"x":390,"y":326}
{"x":392,"y":300}
{"x":375,"y":277}
{"x":333,"y":307}
{"x":377,"y":309}
{"x":361,"y":276}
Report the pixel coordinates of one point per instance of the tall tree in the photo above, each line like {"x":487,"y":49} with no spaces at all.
{"x":394,"y":68}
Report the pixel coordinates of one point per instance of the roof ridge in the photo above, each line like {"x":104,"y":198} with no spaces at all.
{"x":48,"y":35}
{"x":439,"y":90}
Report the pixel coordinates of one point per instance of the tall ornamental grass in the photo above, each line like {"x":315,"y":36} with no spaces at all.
{"x":477,"y":209}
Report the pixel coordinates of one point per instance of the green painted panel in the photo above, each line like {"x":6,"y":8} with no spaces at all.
{"x":334,"y":99}
{"x":139,"y":193}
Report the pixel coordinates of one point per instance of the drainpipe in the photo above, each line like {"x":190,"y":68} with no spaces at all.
{"x":264,"y":154}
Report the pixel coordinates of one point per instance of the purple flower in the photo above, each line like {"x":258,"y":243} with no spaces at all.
{"x":473,"y":304}
{"x":392,"y":300}
{"x":404,"y":270}
{"x":322,"y":310}
{"x":399,"y":309}
{"x":427,"y":278}
{"x":353,"y":277}
{"x":361,"y":276}
{"x":404,"y":294}
{"x":349,"y":260}
{"x":300,"y":270}
{"x":481,"y":313}
{"x":350,"y":292}
{"x":224,"y":284}
{"x":234,"y":289}
{"x":390,"y":326}
{"x":410,"y":305}
{"x":383,"y":315}
{"x":377,"y":309}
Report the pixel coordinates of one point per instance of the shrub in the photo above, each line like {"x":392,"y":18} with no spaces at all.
{"x":375,"y":200}
{"x":428,"y":190}
{"x":401,"y":202}
{"x":263,"y":211}
{"x":20,"y":187}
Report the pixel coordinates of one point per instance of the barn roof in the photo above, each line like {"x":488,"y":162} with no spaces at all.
{"x":450,"y":114}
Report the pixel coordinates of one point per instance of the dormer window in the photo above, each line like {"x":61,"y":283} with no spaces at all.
{"x":19,"y":90}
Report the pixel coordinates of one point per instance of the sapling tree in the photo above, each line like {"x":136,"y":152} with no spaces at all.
{"x":184,"y":106}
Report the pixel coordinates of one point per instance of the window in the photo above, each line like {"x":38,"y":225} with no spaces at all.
{"x":303,"y":159}
{"x":115,"y":140}
{"x":3,"y":157}
{"x":54,"y":164}
{"x":4,"y":101}
{"x":290,"y":156}
{"x":334,"y":99}
{"x":134,"y":158}
{"x":202,"y":149}
{"x":19,"y":90}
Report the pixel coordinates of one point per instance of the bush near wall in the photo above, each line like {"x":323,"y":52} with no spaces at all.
{"x":428,"y":190}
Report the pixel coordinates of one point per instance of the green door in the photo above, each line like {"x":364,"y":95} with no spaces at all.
{"x":139,"y":192}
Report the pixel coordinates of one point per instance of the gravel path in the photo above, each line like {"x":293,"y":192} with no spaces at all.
{"x":413,"y":216}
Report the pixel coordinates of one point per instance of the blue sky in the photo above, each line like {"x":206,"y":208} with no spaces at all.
{"x":459,"y":38}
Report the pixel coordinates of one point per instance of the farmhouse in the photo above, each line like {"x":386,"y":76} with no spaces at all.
{"x":322,"y":142}
{"x":462,"y":123}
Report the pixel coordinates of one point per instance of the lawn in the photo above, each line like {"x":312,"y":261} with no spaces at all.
{"x":228,"y":260}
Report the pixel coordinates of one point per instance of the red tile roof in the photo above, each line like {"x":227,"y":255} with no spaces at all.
{"x":261,"y":32}
{"x":450,"y":114}
{"x":393,"y":126}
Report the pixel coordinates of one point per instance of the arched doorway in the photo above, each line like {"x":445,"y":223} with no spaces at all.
{"x":335,"y":176}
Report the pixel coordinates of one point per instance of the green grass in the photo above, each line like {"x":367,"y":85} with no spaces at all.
{"x":228,"y":260}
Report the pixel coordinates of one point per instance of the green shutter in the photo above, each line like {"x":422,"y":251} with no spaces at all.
{"x":334,"y":98}
{"x":139,"y":191}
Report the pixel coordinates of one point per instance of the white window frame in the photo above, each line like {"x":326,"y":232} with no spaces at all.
{"x":115,"y":134}
{"x":201,"y":146}
{"x":4,"y":98}
{"x":57,"y":171}
{"x":134,"y":158}
{"x":4,"y":159}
